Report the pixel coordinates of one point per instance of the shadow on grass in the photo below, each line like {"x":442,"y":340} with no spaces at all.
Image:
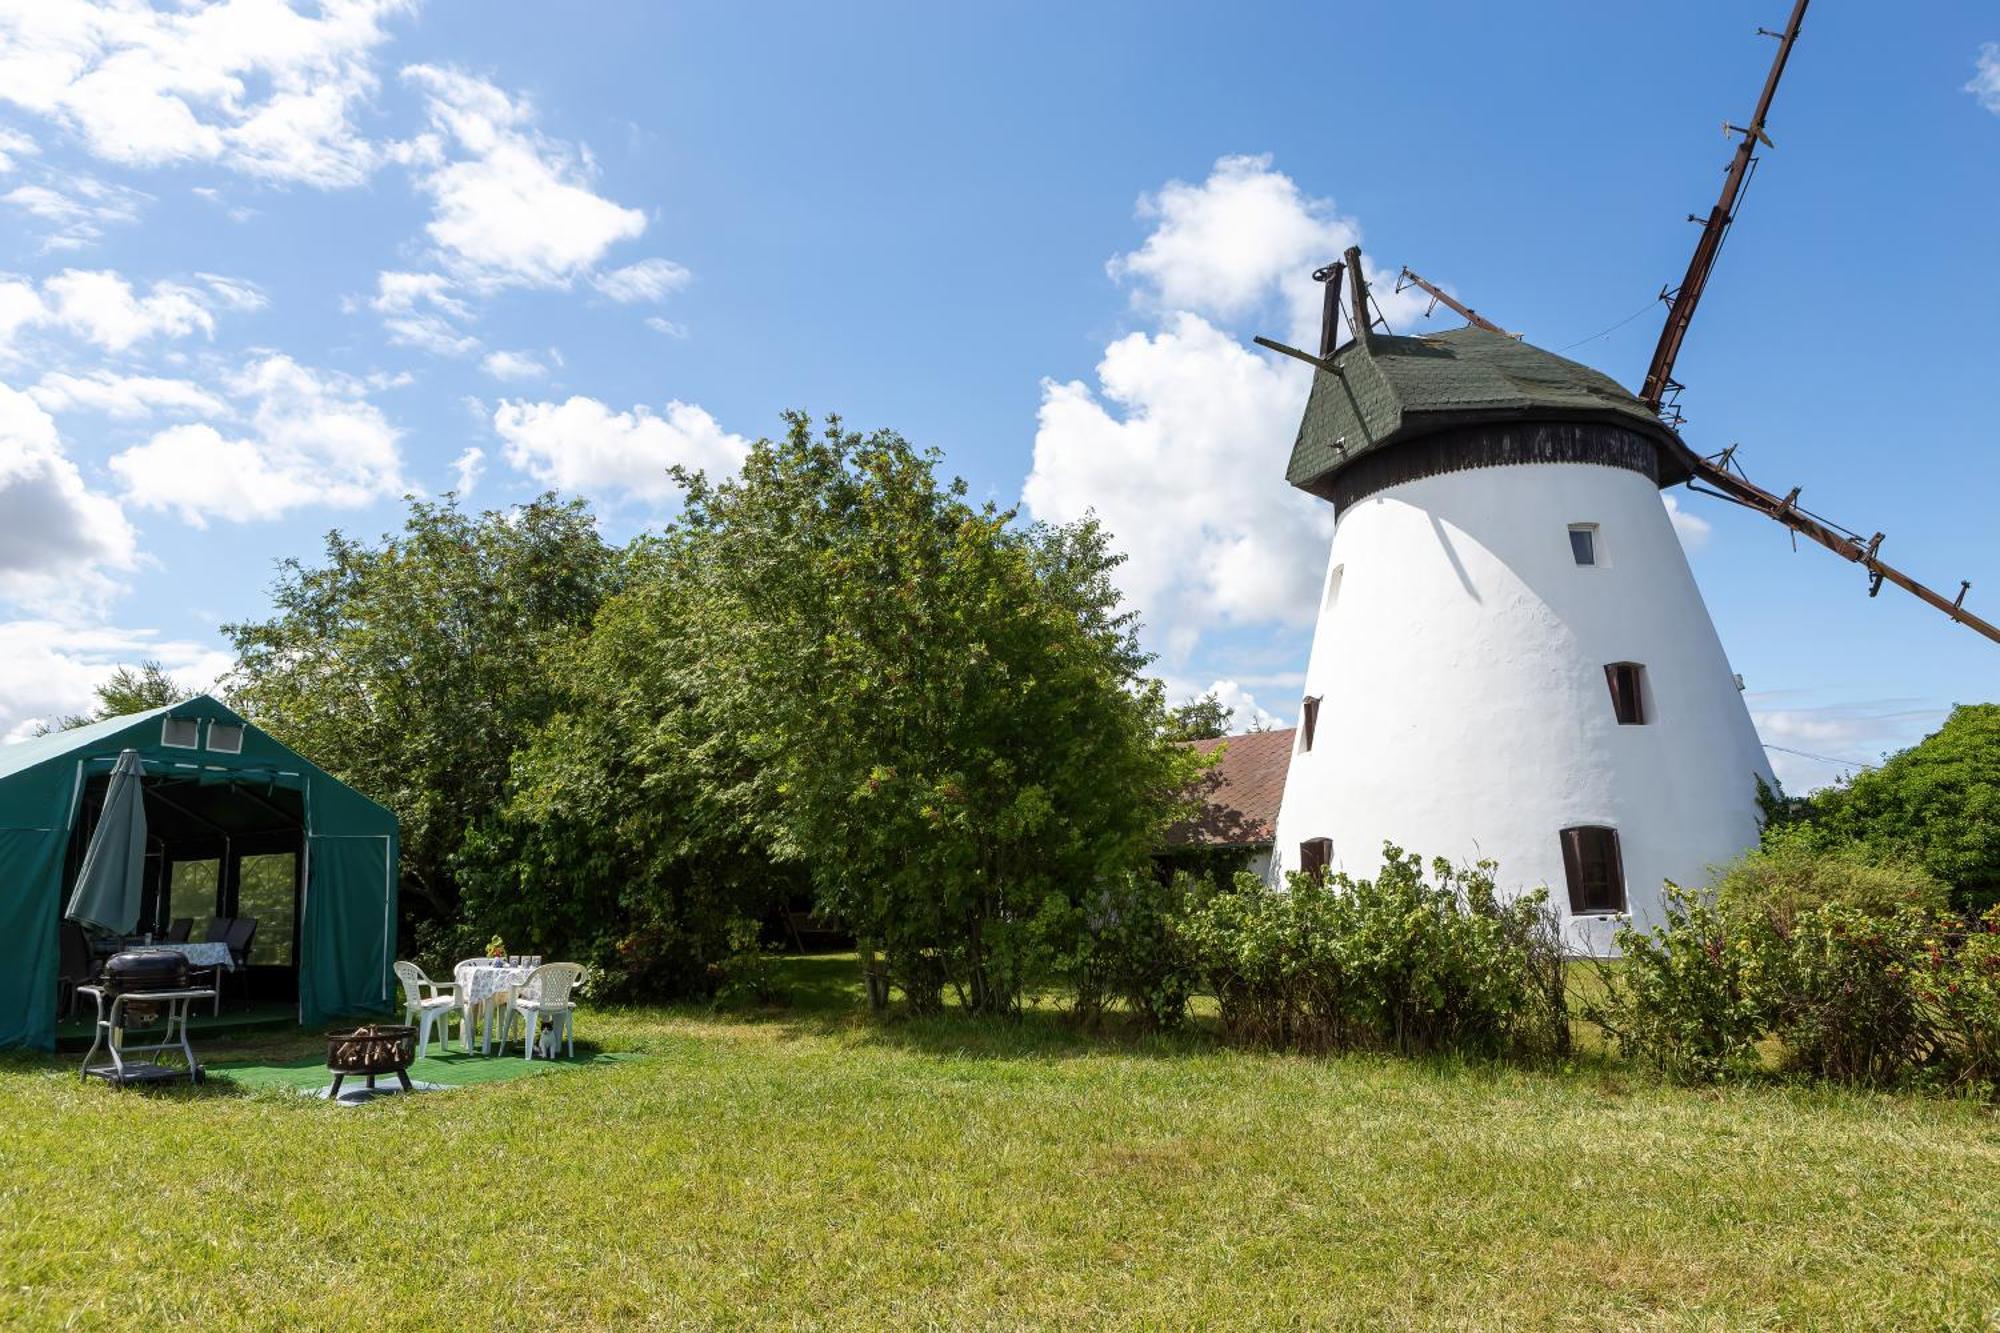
{"x":823,"y":997}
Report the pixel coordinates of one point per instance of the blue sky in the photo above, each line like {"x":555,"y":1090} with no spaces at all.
{"x":265,"y":269}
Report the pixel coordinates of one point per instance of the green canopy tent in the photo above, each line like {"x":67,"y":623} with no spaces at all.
{"x":236,"y":824}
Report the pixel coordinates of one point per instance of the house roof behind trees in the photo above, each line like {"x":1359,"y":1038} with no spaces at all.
{"x":1240,"y":794}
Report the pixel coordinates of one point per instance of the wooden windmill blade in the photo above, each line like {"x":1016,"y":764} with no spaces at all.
{"x":1659,"y":384}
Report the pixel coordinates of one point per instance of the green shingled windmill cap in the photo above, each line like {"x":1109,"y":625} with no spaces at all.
{"x":1385,"y":389}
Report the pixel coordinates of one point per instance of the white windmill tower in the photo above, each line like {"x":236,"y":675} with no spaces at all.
{"x":1512,"y":660}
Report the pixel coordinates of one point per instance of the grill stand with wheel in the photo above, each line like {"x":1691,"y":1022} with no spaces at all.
{"x":112,"y":1021}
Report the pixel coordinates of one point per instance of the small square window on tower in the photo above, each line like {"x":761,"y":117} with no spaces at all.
{"x":1628,"y":692}
{"x":1595,"y":871}
{"x":1308,"y":721}
{"x":1583,"y":542}
{"x":180,"y":733}
{"x":1315,"y":855}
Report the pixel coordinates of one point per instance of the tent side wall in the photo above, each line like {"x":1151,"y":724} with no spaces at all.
{"x":349,"y":938}
{"x":34,"y":834}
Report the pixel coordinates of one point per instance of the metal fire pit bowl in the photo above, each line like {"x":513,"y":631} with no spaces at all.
{"x":378,"y":1048}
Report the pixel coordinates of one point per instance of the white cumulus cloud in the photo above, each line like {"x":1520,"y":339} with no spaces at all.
{"x":1241,"y":242}
{"x":124,"y":397}
{"x":467,"y":469}
{"x":1177,"y":452}
{"x":13,"y":146}
{"x":1985,"y":84}
{"x":647,"y":280}
{"x":513,"y":366}
{"x":1179,"y":447}
{"x":1691,"y":528}
{"x":311,"y":439}
{"x":259,"y":86}
{"x":49,"y":667}
{"x":423,"y":310}
{"x":583,"y":446}
{"x":75,"y":216}
{"x":58,"y":538}
{"x":102,"y":307}
{"x":512,"y":206}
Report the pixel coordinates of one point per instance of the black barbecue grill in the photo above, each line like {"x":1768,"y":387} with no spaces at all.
{"x":136,"y":989}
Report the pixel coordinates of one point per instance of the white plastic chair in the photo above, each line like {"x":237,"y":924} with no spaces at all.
{"x":545,"y":994}
{"x":427,"y":1011}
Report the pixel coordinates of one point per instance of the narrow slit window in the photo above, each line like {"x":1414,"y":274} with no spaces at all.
{"x":1315,"y":855}
{"x":225,"y":737}
{"x":1595,"y":871}
{"x":1308,"y":721}
{"x":1628,"y":692}
{"x":1333,"y":585}
{"x":1583,"y":542}
{"x":181,"y":733}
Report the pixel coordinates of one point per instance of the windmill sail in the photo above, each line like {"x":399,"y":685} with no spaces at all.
{"x":1659,"y":388}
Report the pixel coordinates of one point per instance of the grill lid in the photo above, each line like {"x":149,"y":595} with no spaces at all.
{"x":145,"y":969}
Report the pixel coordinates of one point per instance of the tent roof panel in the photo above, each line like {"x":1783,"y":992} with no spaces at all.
{"x":20,"y":755}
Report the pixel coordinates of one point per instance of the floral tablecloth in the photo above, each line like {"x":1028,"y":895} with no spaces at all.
{"x":480,"y":982}
{"x":198,"y":955}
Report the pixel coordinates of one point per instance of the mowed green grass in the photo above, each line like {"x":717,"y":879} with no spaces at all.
{"x":812,"y":1168}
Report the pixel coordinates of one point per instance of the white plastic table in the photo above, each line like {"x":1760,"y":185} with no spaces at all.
{"x":484,"y":988}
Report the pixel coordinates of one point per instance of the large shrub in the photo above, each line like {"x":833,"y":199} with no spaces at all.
{"x":1958,"y":979}
{"x":1835,"y":935}
{"x":1681,"y":995}
{"x":1837,"y":986}
{"x":1848,"y":963}
{"x":1122,"y":945}
{"x":1402,"y":962}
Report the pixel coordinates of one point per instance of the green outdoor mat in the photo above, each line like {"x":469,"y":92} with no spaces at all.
{"x":453,"y":1069}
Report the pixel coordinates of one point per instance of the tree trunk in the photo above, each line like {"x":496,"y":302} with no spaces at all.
{"x":874,"y":980}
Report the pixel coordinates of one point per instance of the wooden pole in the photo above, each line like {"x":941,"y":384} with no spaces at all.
{"x":1364,"y":323}
{"x":1653,"y":390}
{"x":1861,"y":553}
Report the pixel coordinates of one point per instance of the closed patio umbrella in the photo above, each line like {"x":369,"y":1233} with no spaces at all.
{"x":107,"y":887}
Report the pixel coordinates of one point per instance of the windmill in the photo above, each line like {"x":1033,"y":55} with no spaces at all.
{"x":1512,"y":660}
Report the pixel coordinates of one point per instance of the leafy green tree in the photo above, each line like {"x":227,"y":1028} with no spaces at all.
{"x":622,"y":842}
{"x":1934,"y":805}
{"x":936,"y":710}
{"x":414,"y":668}
{"x":1205,"y":718}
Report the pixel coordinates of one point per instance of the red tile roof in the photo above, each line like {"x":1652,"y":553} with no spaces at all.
{"x":1241,"y":792}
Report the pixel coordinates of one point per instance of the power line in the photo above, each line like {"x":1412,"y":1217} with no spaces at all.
{"x":1822,"y":758}
{"x":1614,"y":328}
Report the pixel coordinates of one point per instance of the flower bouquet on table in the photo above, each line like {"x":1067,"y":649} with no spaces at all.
{"x":496,"y":949}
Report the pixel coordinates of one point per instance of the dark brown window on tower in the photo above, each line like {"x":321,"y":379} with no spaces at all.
{"x":1315,"y":854}
{"x":1583,"y":543}
{"x":1628,"y":692}
{"x":1308,"y":721}
{"x":1595,"y":872}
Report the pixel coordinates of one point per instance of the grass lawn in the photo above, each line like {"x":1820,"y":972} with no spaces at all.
{"x":811,"y":1168}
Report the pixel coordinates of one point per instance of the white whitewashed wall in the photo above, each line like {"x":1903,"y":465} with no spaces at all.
{"x":1460,"y":656}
